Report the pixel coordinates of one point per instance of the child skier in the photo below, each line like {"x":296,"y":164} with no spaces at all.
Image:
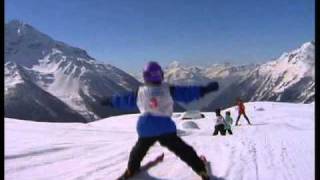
{"x":229,"y":121}
{"x":220,"y":124}
{"x":155,"y":102}
{"x":241,"y":110}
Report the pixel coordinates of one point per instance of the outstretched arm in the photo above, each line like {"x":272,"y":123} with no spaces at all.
{"x":187,"y":94}
{"x":126,"y":101}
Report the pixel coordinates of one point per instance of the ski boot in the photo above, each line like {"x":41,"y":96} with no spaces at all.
{"x":126,"y":175}
{"x":204,"y":175}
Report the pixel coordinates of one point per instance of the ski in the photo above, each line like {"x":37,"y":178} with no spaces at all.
{"x":145,"y":167}
{"x":207,"y":165}
{"x":152,"y":163}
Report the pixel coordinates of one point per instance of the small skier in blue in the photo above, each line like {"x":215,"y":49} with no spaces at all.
{"x":155,"y":102}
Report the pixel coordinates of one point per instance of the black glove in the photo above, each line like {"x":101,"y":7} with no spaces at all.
{"x":106,"y":102}
{"x":213,"y":86}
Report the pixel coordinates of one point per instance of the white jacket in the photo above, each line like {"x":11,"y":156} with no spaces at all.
{"x":155,"y":100}
{"x":220,"y":120}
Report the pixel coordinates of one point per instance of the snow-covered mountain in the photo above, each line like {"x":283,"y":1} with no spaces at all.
{"x":25,"y":45}
{"x":279,"y":145}
{"x":79,"y":81}
{"x":179,"y":74}
{"x":225,"y":74}
{"x":25,"y":99}
{"x":63,"y":71}
{"x":290,"y":78}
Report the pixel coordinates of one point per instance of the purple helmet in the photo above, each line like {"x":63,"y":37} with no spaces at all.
{"x":152,"y":73}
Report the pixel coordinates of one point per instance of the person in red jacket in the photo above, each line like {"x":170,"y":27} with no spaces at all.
{"x":241,"y":110}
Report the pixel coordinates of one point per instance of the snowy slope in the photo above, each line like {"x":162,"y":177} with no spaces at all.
{"x":280,"y":145}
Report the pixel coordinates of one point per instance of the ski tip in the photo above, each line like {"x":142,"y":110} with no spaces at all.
{"x":202,"y":157}
{"x":162,"y":156}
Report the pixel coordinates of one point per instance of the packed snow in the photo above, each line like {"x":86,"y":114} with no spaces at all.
{"x":279,"y":145}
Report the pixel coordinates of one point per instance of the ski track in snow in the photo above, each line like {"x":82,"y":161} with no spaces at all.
{"x":278,"y":146}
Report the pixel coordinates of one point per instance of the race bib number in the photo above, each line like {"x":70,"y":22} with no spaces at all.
{"x":153,"y":104}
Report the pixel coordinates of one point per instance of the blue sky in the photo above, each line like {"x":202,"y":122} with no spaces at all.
{"x":128,"y":33}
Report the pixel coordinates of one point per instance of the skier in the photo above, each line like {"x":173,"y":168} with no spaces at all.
{"x":241,"y":110}
{"x":155,"y":102}
{"x":220,"y":124}
{"x":229,"y":121}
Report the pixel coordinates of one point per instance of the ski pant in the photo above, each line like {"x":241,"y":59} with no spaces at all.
{"x":229,"y":131}
{"x":173,"y":143}
{"x":245,"y":116}
{"x":219,"y":128}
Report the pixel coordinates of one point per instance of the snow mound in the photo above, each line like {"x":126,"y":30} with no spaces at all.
{"x":192,"y":115}
{"x":259,"y":109}
{"x":190,"y":125}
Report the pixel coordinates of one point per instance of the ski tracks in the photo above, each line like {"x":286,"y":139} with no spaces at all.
{"x":288,"y":164}
{"x":244,"y":156}
{"x":107,"y":166}
{"x":263,"y":158}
